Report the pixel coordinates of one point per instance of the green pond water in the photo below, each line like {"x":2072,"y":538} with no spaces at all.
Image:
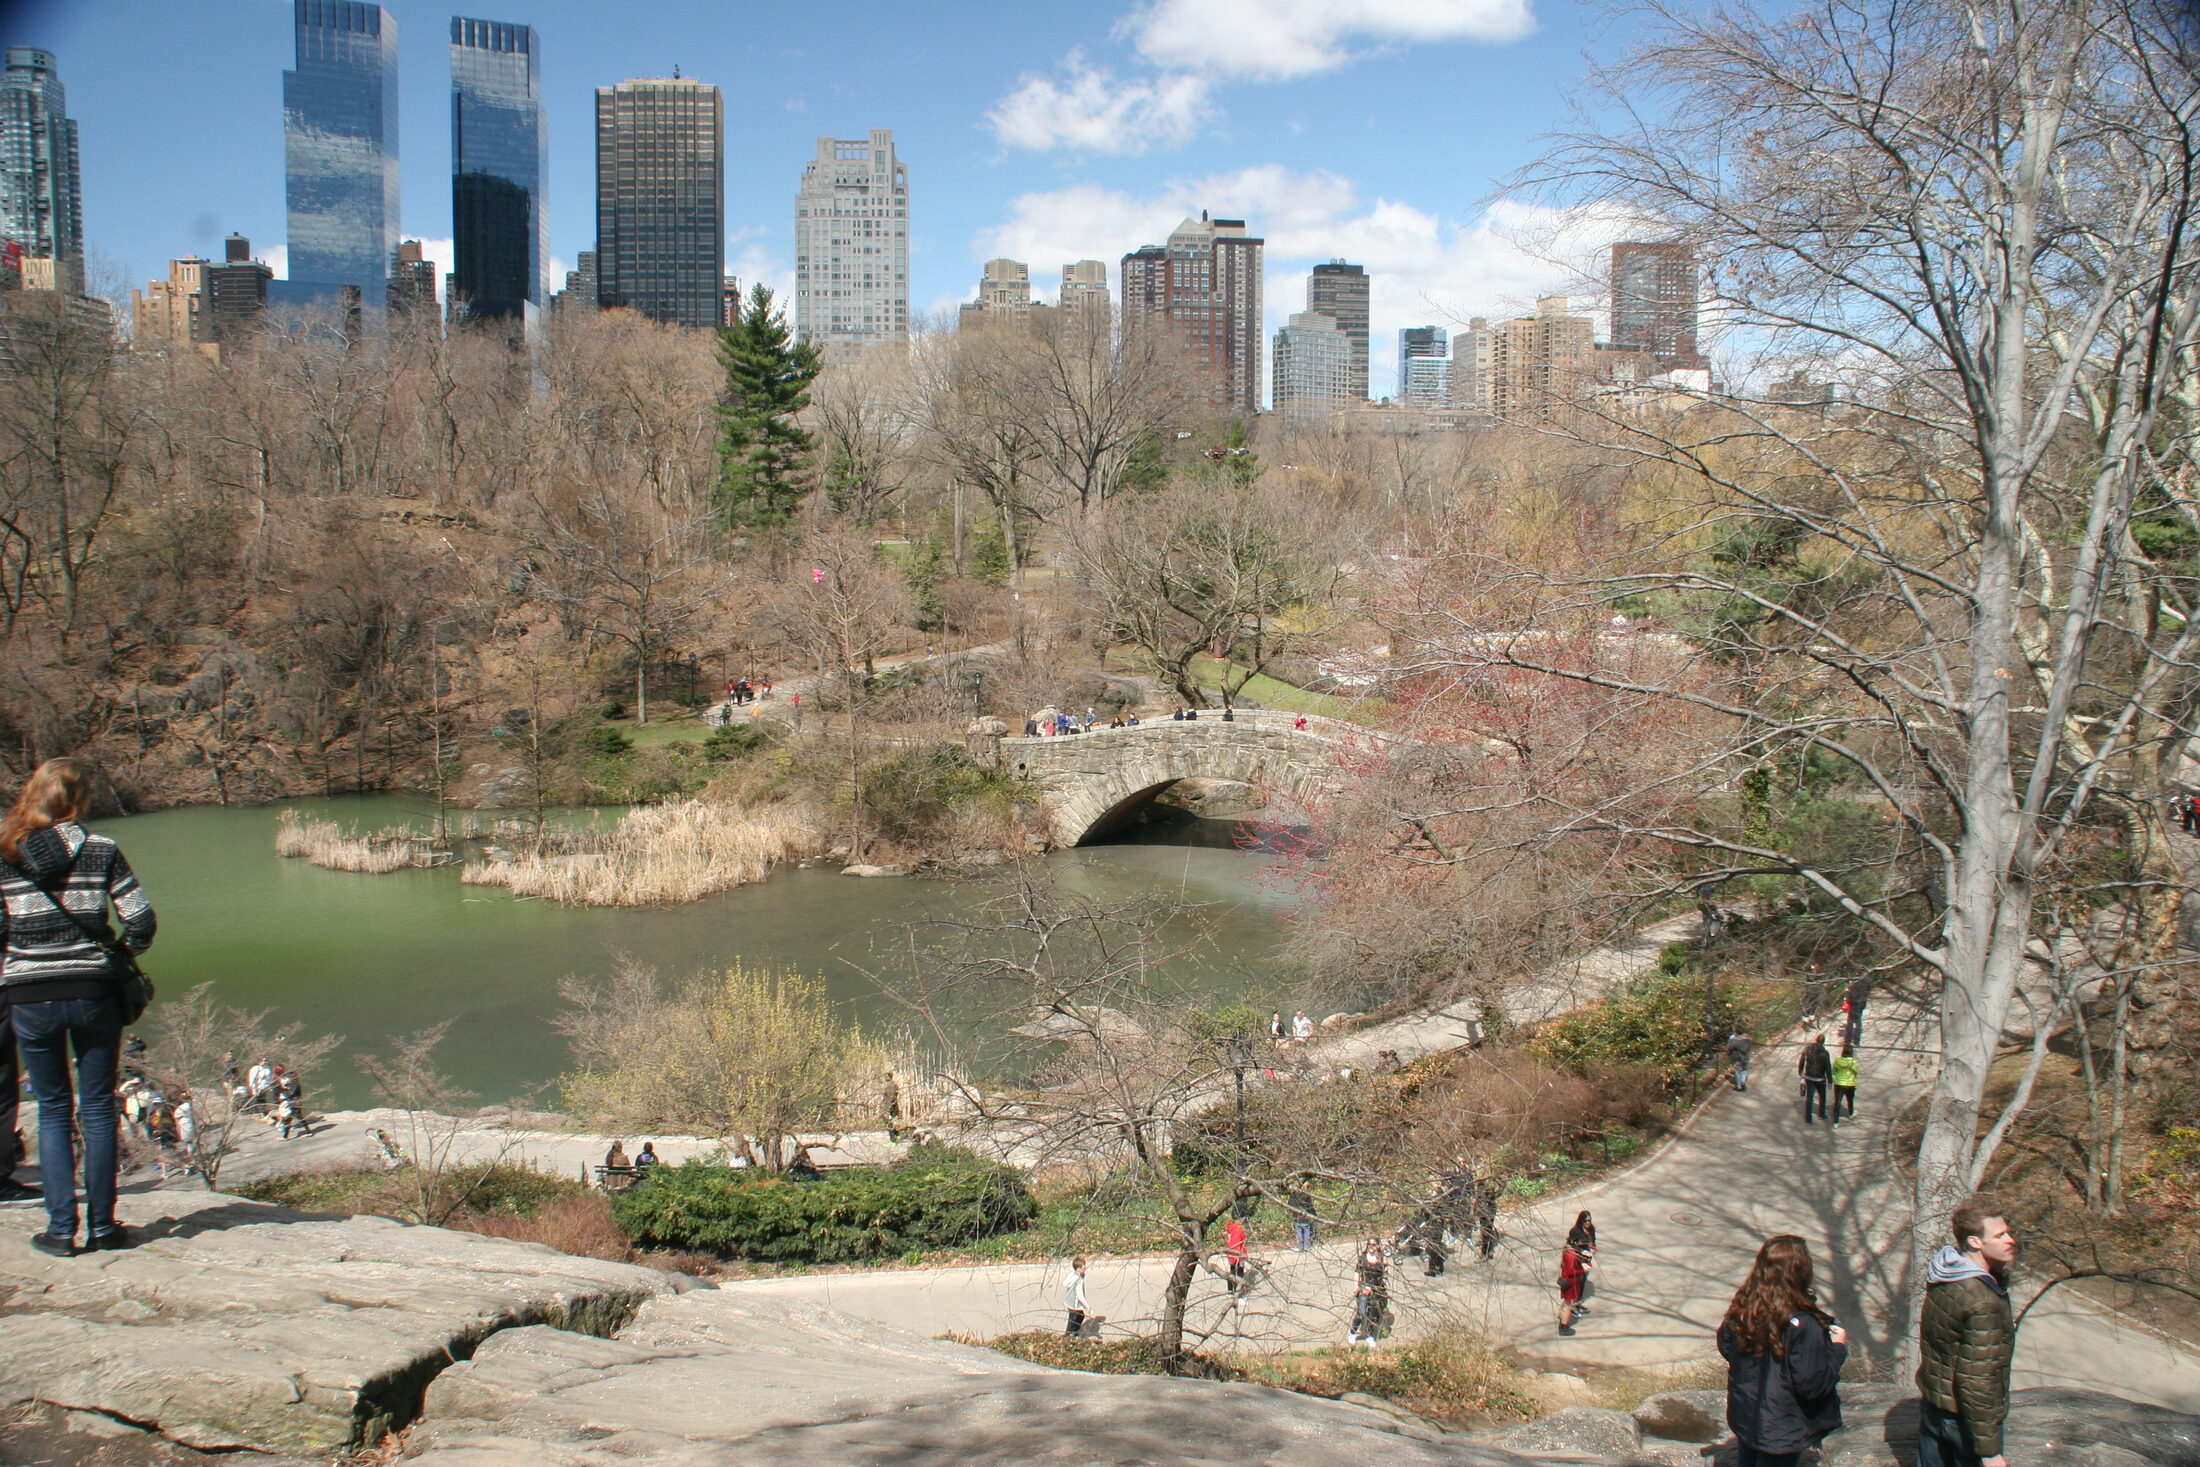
{"x":373,"y":958}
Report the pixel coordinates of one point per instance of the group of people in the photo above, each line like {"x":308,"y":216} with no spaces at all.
{"x":741,"y":691}
{"x":619,"y":1170}
{"x":1053,"y":723}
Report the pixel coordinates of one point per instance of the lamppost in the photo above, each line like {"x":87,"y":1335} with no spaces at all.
{"x":977,"y":693}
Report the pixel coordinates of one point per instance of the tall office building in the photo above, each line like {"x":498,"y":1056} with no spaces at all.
{"x":1085,"y":294}
{"x":1339,"y":291}
{"x":1424,"y":366}
{"x":1313,"y":366}
{"x":661,"y":199}
{"x":340,"y":149}
{"x":851,"y":242}
{"x":1004,"y":295}
{"x":1205,"y":287}
{"x":41,"y":201}
{"x":412,"y":279}
{"x":500,"y":168}
{"x":1654,"y":299}
{"x":1537,"y":362}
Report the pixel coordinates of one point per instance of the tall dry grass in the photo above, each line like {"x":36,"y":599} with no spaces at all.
{"x":327,"y":844}
{"x":659,"y":855}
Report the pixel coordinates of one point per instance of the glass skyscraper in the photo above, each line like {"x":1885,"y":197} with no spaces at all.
{"x":41,"y":205}
{"x":661,"y":199}
{"x":499,"y":168}
{"x":340,"y":146}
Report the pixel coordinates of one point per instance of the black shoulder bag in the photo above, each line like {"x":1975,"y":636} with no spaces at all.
{"x":136,"y":990}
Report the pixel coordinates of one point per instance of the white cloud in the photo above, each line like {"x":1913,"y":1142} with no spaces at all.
{"x":1089,"y":110}
{"x":1277,"y":39}
{"x":277,"y":258}
{"x":1424,"y":269}
{"x":755,"y":264}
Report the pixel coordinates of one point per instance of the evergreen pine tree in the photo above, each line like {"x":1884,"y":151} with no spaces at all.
{"x":763,"y":454}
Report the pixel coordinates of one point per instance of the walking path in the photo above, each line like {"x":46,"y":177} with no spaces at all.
{"x":1676,"y":1233}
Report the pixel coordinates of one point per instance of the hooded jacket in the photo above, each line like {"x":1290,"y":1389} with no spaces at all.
{"x":1784,"y":1404}
{"x":47,"y":956}
{"x":1968,"y":1339}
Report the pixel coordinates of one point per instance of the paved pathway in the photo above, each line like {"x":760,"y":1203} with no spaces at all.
{"x":1676,"y":1234}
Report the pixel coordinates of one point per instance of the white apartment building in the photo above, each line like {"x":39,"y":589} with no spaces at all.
{"x":851,"y":243}
{"x":1313,"y":366}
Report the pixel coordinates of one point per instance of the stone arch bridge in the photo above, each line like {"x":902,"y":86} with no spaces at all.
{"x":1090,"y":783}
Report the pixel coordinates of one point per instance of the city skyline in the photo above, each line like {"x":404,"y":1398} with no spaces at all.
{"x":1311,"y":159}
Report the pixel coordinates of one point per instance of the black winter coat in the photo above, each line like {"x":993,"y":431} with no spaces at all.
{"x":1784,"y":1405}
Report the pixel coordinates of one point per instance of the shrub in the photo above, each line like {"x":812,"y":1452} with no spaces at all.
{"x":614,"y":709}
{"x":1116,"y":1355}
{"x":499,"y":1189}
{"x":937,"y":1197}
{"x":909,"y":795}
{"x":604,"y":739}
{"x":736,"y":739}
{"x":1451,"y":1374}
{"x":1661,"y":1023}
{"x":580,"y":1224}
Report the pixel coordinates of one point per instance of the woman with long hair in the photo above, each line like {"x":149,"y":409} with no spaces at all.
{"x":63,"y":989}
{"x":1582,"y":1238}
{"x":1370,"y":1294}
{"x":1783,"y":1359}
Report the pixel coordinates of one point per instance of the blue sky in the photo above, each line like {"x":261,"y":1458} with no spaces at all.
{"x":1368,"y":129}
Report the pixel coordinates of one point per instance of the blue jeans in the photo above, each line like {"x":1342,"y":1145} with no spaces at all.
{"x":46,"y":1031}
{"x":1941,"y":1441}
{"x":1306,"y":1235}
{"x":1748,"y":1456}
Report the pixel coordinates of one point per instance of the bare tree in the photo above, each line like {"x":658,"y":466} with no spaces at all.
{"x":205,"y":1048}
{"x":1976,"y":217}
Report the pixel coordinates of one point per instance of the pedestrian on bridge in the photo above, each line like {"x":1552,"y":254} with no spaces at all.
{"x":1783,"y":1359}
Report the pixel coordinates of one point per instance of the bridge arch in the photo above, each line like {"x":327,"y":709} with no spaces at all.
{"x":1089,"y":784}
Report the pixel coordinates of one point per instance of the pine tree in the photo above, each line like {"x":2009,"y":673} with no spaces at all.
{"x":763,"y":453}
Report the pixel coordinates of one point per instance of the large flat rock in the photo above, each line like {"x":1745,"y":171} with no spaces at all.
{"x":235,"y":1324}
{"x":709,"y":1378}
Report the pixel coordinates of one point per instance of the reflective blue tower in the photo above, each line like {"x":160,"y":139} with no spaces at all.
{"x":499,"y":166}
{"x":340,"y":147}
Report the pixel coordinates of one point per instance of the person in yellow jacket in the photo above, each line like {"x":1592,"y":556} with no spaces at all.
{"x":1844,"y":1084}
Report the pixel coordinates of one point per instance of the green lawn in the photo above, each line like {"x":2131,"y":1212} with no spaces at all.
{"x":1269,"y":693}
{"x":672,"y":726}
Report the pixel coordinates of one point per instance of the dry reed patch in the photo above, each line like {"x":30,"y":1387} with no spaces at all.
{"x":336,"y":848}
{"x":660,"y":855}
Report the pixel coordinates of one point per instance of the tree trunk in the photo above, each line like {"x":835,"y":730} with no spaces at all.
{"x":1169,"y":1339}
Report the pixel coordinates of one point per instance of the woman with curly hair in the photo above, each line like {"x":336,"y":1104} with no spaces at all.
{"x":1783,"y":1358}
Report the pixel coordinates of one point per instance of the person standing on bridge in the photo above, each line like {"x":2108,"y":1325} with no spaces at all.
{"x":1967,"y":1340}
{"x":1783,"y":1359}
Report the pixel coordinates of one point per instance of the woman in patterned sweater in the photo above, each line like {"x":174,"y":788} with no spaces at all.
{"x":63,"y":991}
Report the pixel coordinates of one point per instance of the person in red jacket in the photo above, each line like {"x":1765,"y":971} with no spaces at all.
{"x":1573,"y":1279}
{"x":1233,"y":1244}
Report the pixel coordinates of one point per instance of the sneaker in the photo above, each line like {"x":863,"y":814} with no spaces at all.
{"x":52,"y":1246}
{"x":114,"y":1240}
{"x":1566,"y":1329}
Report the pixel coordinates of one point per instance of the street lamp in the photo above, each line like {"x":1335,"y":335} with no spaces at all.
{"x":977,"y":693}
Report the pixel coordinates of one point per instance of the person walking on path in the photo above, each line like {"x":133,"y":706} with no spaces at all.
{"x":63,"y":980}
{"x":1845,"y":1069}
{"x":1738,"y":1046}
{"x":1582,"y":1238}
{"x":1301,"y":1203}
{"x":1485,"y":1213}
{"x":1573,"y":1282}
{"x":1967,"y":1339}
{"x":1815,"y":1065}
{"x":1075,"y":1298}
{"x":1370,"y":1294}
{"x":1233,"y":1245}
{"x":1783,"y":1359}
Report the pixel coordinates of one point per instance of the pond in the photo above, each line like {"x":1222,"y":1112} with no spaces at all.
{"x":374,"y":958}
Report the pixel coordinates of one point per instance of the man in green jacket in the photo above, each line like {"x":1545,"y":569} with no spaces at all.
{"x":1968,"y":1341}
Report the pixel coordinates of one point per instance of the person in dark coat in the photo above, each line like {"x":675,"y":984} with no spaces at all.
{"x":1967,"y":1339}
{"x":1783,"y":1359}
{"x":1815,"y":1065}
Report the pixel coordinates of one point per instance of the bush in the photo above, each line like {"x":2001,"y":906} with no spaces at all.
{"x":735,"y":740}
{"x":1661,"y":1022}
{"x":908,"y":796}
{"x":614,"y":709}
{"x":938,"y":1197}
{"x":604,"y":739}
{"x":580,"y":1224}
{"x":1116,"y":1355}
{"x":488,"y":1189}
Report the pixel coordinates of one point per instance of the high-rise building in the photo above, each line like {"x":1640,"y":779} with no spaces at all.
{"x":1204,"y":287}
{"x":500,"y":168}
{"x":1424,"y":366}
{"x":1469,"y":380}
{"x":730,"y":298}
{"x":340,"y":148}
{"x":1339,"y":291}
{"x":1004,"y":295}
{"x":1313,"y":366}
{"x":169,"y":315}
{"x":1537,"y":362}
{"x":661,"y":199}
{"x":236,"y":291}
{"x":851,"y":242}
{"x":1085,"y":294}
{"x":580,"y":283}
{"x":1654,"y":299}
{"x":412,"y":279}
{"x":41,"y":201}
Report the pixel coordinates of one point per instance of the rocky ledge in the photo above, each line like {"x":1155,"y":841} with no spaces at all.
{"x":275,"y":1337}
